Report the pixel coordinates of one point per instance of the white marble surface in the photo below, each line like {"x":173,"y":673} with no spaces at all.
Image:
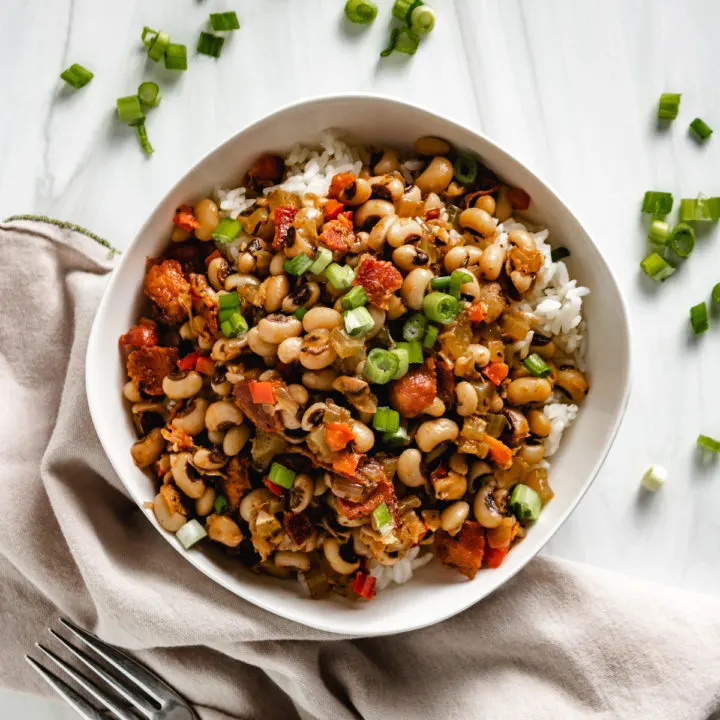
{"x":569,"y":87}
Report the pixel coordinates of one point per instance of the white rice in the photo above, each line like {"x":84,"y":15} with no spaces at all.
{"x":401,"y":571}
{"x":560,"y":416}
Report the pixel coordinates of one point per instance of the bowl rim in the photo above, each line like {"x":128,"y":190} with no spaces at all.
{"x":218,"y":574}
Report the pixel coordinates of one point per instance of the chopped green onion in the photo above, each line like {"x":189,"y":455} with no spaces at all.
{"x":466,"y":165}
{"x":440,"y":307}
{"x":699,"y":318}
{"x":716,"y":293}
{"x":391,"y":43}
{"x":386,"y":420}
{"x":402,"y":9}
{"x":358,"y":321}
{"x":403,"y":358}
{"x":525,"y":503}
{"x":224,"y":21}
{"x":422,"y":20}
{"x":659,"y":232}
{"x":340,"y":276}
{"x":148,"y":36}
{"x":402,"y":40}
{"x":712,"y":207}
{"x":654,"y":477}
{"x":176,"y":57}
{"x":143,"y":137}
{"x":693,"y":210}
{"x":234,"y":325}
{"x":228,"y":300}
{"x":656,"y":267}
{"x":77,"y":76}
{"x":298,"y":265}
{"x":383,"y":520}
{"x":282,"y":476}
{"x":682,"y":240}
{"x":414,"y":350}
{"x":322,"y":259}
{"x":129,"y":110}
{"x":190,"y":533}
{"x":380,"y":366}
{"x":149,"y":93}
{"x":415,"y":327}
{"x":457,"y":280}
{"x":226,"y":231}
{"x":536,"y":365}
{"x":221,"y":505}
{"x":657,"y":203}
{"x":430,"y":337}
{"x":708,"y":443}
{"x":300,"y":313}
{"x":399,"y":437}
{"x":701,"y":129}
{"x":360,"y":11}
{"x":559,"y":254}
{"x":354,"y":298}
{"x":159,"y":46}
{"x":669,"y":106}
{"x":440,"y":283}
{"x":209,"y":44}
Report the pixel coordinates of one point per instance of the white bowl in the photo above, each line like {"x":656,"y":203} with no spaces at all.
{"x":434,"y":593}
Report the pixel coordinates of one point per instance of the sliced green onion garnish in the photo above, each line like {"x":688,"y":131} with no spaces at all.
{"x":440,"y":283}
{"x":422,"y":20}
{"x":701,"y":128}
{"x":176,"y":57}
{"x":354,"y":298}
{"x":657,"y":203}
{"x":712,"y":208}
{"x":358,"y":322}
{"x":669,"y":106}
{"x":457,"y":280}
{"x":525,"y":503}
{"x":129,"y":110}
{"x":559,"y":254}
{"x":414,"y":350}
{"x":692,"y":210}
{"x":659,"y":232}
{"x":380,"y":366}
{"x":682,"y":240}
{"x":403,"y":358}
{"x":399,"y":437}
{"x":716,"y":293}
{"x":654,"y":477}
{"x":466,"y":166}
{"x":190,"y":533}
{"x":708,"y":443}
{"x":386,"y":420}
{"x":227,"y":313}
{"x":440,"y":307}
{"x":149,"y":93}
{"x":699,"y":318}
{"x":224,"y":21}
{"x":143,"y":137}
{"x":536,"y":365}
{"x":228,"y":300}
{"x":656,"y":267}
{"x":402,"y":8}
{"x":235,"y":325}
{"x":221,"y":505}
{"x":209,"y":44}
{"x":282,"y":476}
{"x":415,"y":327}
{"x":148,"y":36}
{"x":77,"y":76}
{"x":298,"y":265}
{"x":360,"y":11}
{"x":391,"y":43}
{"x":407,"y":41}
{"x":226,"y":231}
{"x":159,"y":46}
{"x":340,"y":276}
{"x":430,"y":337}
{"x":383,"y":520}
{"x":300,"y":313}
{"x":322,"y":259}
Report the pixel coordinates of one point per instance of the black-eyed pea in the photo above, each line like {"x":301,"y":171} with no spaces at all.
{"x":403,"y":231}
{"x":182,"y":385}
{"x":387,"y":187}
{"x":414,"y":286}
{"x":252,"y":501}
{"x":453,"y":517}
{"x":222,"y":415}
{"x":435,"y":409}
{"x":532,"y":454}
{"x":168,"y":513}
{"x":191,"y":419}
{"x":259,"y":346}
{"x":277,"y":264}
{"x":298,"y":393}
{"x":485,"y":508}
{"x":503,"y":206}
{"x":378,"y":235}
{"x":185,"y":478}
{"x":539,"y":424}
{"x":208,"y":216}
{"x":276,"y":327}
{"x":321,"y":317}
{"x":305,"y":295}
{"x":356,"y":193}
{"x":275,"y":288}
{"x":235,"y":439}
{"x":396,"y":308}
{"x":467,"y":399}
{"x":409,"y":257}
{"x":436,"y":176}
{"x":331,"y":550}
{"x":371,"y":212}
{"x":431,"y":145}
{"x":319,"y":379}
{"x":573,"y":383}
{"x":149,"y":449}
{"x":131,"y":391}
{"x":452,"y":486}
{"x":408,"y":468}
{"x":486,"y":203}
{"x":525,"y":390}
{"x":388,"y":163}
{"x":205,"y":503}
{"x":217,"y":272}
{"x":433,"y":432}
{"x":301,"y":493}
{"x":288,"y":351}
{"x":298,"y":561}
{"x":317,"y":352}
{"x":224,"y":530}
{"x":364,"y":437}
{"x":478,"y":221}
{"x":491,"y":262}
{"x":522,"y":238}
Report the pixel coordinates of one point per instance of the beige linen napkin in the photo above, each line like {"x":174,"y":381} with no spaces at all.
{"x":559,"y":641}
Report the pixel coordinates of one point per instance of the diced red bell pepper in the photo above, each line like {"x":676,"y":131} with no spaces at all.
{"x":519,"y":199}
{"x":205,"y":365}
{"x":189,"y":361}
{"x":494,"y":557}
{"x":496,"y":372}
{"x":339,"y":182}
{"x":332,"y":209}
{"x":348,"y":215}
{"x":347,"y":463}
{"x":364,"y":585}
{"x":432,"y":214}
{"x":476,"y":313}
{"x":338,"y":435}
{"x":500,"y":453}
{"x":278,"y":490}
{"x":262,"y":392}
{"x":185,"y":219}
{"x":283,"y":217}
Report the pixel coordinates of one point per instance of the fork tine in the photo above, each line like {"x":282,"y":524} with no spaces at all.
{"x":89,"y":686}
{"x":65,"y":691}
{"x":132,"y":697}
{"x":131,"y":669}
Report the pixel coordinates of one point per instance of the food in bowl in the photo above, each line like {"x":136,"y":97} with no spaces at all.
{"x":356,"y":361}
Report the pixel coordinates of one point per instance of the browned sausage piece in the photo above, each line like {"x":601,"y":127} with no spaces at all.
{"x":413,"y":392}
{"x":167,"y":287}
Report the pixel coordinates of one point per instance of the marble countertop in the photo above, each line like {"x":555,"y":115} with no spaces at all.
{"x":570,"y":88}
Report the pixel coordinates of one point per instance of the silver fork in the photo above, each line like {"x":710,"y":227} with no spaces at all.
{"x":143,"y":690}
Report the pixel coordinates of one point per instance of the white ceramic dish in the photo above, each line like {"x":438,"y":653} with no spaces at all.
{"x":434,"y":593}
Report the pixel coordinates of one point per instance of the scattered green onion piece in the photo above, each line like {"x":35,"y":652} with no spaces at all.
{"x":391,"y":43}
{"x":682,"y":240}
{"x":440,"y":307}
{"x":669,"y":106}
{"x":415,"y":327}
{"x":190,"y":533}
{"x":712,"y":208}
{"x":656,"y":267}
{"x":360,"y":11}
{"x":224,"y":21}
{"x":399,"y":437}
{"x":129,"y":110}
{"x":403,"y":358}
{"x":322,"y":259}
{"x":693,"y":210}
{"x":466,"y":165}
{"x":209,"y":44}
{"x":402,"y":9}
{"x":407,"y":41}
{"x":358,"y":322}
{"x":226,"y":231}
{"x":354,"y":298}
{"x":414,"y":351}
{"x":537,"y":366}
{"x":559,"y":254}
{"x":228,"y":300}
{"x":716,"y":293}
{"x":282,"y":476}
{"x":430,"y":337}
{"x":143,"y":137}
{"x":708,"y":443}
{"x":701,"y":129}
{"x":148,"y":36}
{"x":221,"y":505}
{"x":386,"y":420}
{"x":699,"y":318}
{"x":422,"y":19}
{"x":657,"y":203}
{"x":298,"y":265}
{"x":457,"y":280}
{"x":525,"y":503}
{"x":383,"y":520}
{"x":440,"y":283}
{"x":227,"y":313}
{"x":300,"y":313}
{"x":149,"y":93}
{"x":380,"y":366}
{"x":176,"y":57}
{"x":235,"y":325}
{"x":77,"y":76}
{"x":659,"y":232}
{"x":159,"y":46}
{"x":340,"y":276}
{"x":654,"y":477}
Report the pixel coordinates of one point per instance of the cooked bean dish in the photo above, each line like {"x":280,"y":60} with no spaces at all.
{"x":357,"y":361}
